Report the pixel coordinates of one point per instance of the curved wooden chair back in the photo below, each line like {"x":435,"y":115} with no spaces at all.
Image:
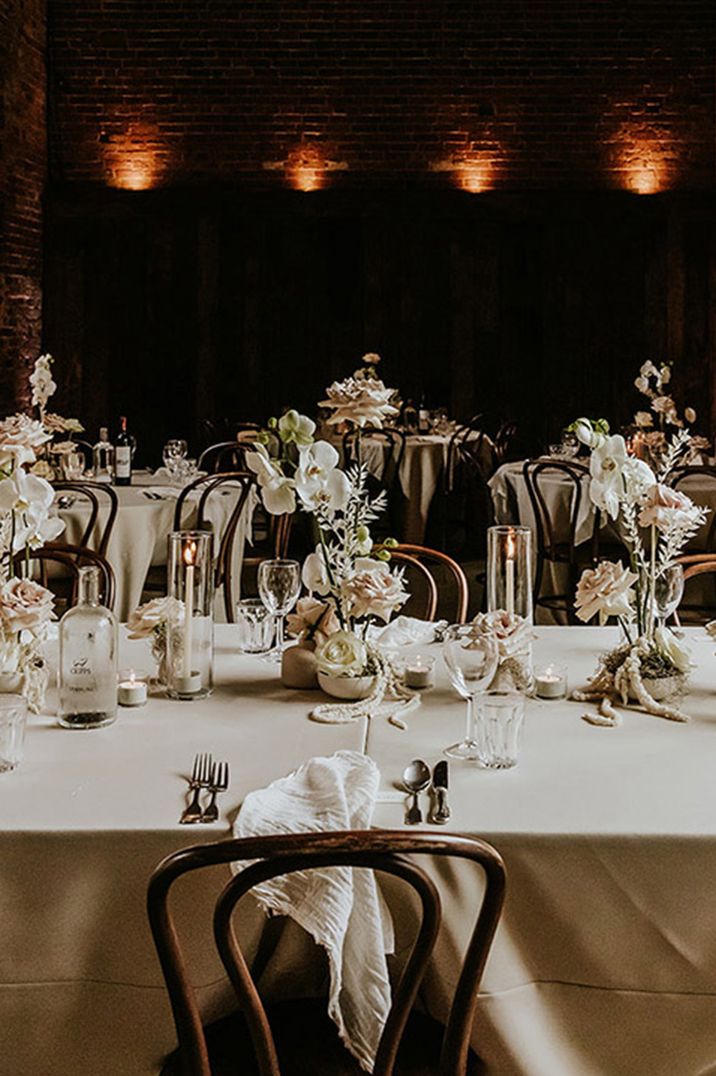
{"x":94,"y":493}
{"x":422,"y":561}
{"x":393,"y":443}
{"x":226,"y":428}
{"x":707,"y":476}
{"x":224,"y":456}
{"x":697,"y":564}
{"x":386,"y":851}
{"x":506,"y":433}
{"x":554,"y":543}
{"x":242,"y":482}
{"x":69,"y":558}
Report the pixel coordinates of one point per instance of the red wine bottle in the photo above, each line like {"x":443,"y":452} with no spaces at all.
{"x":123,"y":455}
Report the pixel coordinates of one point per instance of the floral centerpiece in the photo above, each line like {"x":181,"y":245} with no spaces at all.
{"x":59,"y":430}
{"x":513,"y":635}
{"x":154,"y":620}
{"x":350,"y":585}
{"x":26,"y":523}
{"x":655,"y":522}
{"x":651,"y":439}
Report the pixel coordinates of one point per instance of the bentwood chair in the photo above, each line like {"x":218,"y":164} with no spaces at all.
{"x":421,"y":565}
{"x":241,"y":485}
{"x":64,"y":580}
{"x":223,"y":457}
{"x":556,"y":538}
{"x":296,"y":1036}
{"x":97,"y":495}
{"x":693,"y":612}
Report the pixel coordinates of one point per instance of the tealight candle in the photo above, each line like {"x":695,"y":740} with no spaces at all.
{"x":132,"y":688}
{"x":551,"y":682}
{"x":419,"y":672}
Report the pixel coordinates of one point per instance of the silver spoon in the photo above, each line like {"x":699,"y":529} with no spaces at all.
{"x":416,"y":778}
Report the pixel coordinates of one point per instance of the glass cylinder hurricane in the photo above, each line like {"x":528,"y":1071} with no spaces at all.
{"x":190,"y":645}
{"x":509,"y":570}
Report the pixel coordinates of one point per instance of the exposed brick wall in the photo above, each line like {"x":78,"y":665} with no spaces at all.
{"x":22,"y":179}
{"x":514,"y":93}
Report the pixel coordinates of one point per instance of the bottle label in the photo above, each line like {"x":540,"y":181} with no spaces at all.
{"x":80,"y":677}
{"x":123,"y":461}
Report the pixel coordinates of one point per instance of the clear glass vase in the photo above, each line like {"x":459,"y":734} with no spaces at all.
{"x":509,"y":570}
{"x":190,"y":645}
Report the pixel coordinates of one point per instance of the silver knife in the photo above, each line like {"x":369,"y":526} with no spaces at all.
{"x":440,"y":812}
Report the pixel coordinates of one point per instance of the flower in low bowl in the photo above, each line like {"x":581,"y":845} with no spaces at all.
{"x":346,"y":687}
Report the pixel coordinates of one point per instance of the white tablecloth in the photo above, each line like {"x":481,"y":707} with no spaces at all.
{"x":139,"y":538}
{"x":605,"y":962}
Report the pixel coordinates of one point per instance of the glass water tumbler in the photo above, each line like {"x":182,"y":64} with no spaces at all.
{"x":509,"y":570}
{"x":13,"y":716}
{"x":190,"y":646}
{"x":88,"y":659}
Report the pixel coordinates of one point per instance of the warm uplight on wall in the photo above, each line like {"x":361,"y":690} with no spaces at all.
{"x":307,"y":167}
{"x":643,"y":159}
{"x":473,"y":174}
{"x":135,"y":158}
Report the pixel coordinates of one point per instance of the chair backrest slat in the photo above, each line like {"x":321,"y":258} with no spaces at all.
{"x":94,"y":493}
{"x":409,"y":553}
{"x":72,"y":557}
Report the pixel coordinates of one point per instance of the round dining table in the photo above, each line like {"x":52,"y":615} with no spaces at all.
{"x":604,"y":963}
{"x":139,"y":537}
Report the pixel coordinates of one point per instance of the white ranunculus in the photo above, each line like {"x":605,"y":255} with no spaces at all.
{"x":342,"y":654}
{"x":314,"y":574}
{"x":607,"y":590}
{"x":319,"y":482}
{"x":360,"y":402}
{"x":673,"y":649}
{"x":277,"y":491}
{"x":296,"y":429}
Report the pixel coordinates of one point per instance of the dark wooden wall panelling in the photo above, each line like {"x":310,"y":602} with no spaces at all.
{"x":176,"y":306}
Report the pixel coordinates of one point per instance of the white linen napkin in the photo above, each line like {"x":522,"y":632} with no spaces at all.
{"x":405,"y":630}
{"x":340,"y":907}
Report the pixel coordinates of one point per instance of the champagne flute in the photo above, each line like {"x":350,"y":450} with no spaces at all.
{"x":668,"y":592}
{"x":471,"y":657}
{"x":279,"y":587}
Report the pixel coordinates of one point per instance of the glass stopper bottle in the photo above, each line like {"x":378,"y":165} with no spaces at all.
{"x":103,"y":457}
{"x":88,"y":659}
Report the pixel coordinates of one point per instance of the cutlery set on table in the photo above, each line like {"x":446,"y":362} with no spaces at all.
{"x":209,"y":777}
{"x":416,"y":779}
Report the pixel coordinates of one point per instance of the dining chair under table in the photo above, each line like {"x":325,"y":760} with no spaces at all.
{"x":297,"y":1036}
{"x":67,"y":561}
{"x":421,"y":563}
{"x":696,"y":565}
{"x":96,"y":495}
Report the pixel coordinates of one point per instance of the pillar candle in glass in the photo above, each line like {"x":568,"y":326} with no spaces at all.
{"x":509,"y":570}
{"x":190,"y":646}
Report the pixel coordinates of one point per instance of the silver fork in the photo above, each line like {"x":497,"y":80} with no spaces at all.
{"x":200,"y":778}
{"x":219,"y":783}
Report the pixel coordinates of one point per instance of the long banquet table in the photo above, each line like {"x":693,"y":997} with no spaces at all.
{"x":604,"y":963}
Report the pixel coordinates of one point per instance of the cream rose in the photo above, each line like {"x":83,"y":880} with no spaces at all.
{"x":513,"y":633}
{"x":343,"y":654}
{"x":607,"y":590}
{"x":151,"y":616}
{"x":373,"y":590}
{"x":25,"y":605}
{"x":665,"y":508}
{"x":360,"y":402}
{"x":313,"y":619}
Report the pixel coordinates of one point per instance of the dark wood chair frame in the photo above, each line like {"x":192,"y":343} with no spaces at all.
{"x":223,"y":563}
{"x":696,"y":564}
{"x":381,"y":850}
{"x":548,"y":548}
{"x":93,"y":492}
{"x":414,"y":556}
{"x":72,"y":557}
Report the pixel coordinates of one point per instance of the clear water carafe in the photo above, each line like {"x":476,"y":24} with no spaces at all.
{"x":88,"y":659}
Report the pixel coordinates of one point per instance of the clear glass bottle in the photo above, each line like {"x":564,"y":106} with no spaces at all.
{"x":103,"y":457}
{"x":88,"y":659}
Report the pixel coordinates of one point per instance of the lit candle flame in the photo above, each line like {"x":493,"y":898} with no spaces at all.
{"x":510,"y":546}
{"x":189,"y":553}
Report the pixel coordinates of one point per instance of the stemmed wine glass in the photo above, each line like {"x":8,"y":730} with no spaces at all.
{"x":668,"y":592}
{"x":279,"y":587}
{"x":471,"y":658}
{"x":174,"y":451}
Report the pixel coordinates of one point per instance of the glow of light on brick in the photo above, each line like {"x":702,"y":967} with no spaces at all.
{"x":471,"y":173}
{"x":134,"y":174}
{"x":306,"y":169}
{"x":474,"y":178}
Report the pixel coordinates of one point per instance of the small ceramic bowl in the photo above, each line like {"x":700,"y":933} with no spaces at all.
{"x":346,"y":687}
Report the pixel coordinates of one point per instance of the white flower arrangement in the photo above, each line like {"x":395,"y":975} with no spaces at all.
{"x":351,"y":587}
{"x":650,"y":440}
{"x":359,"y":401}
{"x":154,"y":620}
{"x":655,"y":523}
{"x":43,"y":387}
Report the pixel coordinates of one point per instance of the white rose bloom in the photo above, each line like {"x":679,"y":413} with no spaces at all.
{"x":319,"y":482}
{"x":343,"y":654}
{"x":373,"y":590}
{"x":277,"y":491}
{"x":363,"y":403}
{"x":607,"y":590}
